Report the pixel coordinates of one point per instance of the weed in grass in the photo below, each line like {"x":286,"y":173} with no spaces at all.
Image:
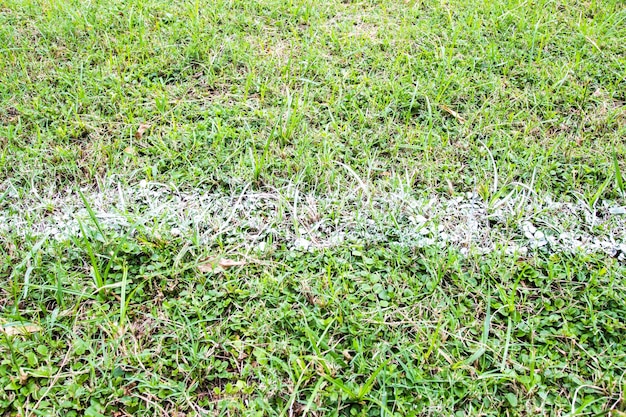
{"x":100,"y":276}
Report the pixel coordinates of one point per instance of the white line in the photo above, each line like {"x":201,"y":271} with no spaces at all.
{"x":518,"y":223}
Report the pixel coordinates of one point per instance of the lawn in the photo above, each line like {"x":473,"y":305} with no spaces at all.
{"x":293,"y":207}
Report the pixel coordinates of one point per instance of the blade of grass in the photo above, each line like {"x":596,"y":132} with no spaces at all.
{"x":97,"y":276}
{"x":92,"y":214}
{"x":618,"y":174}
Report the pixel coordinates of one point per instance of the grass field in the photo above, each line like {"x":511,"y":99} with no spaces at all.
{"x":266,"y":207}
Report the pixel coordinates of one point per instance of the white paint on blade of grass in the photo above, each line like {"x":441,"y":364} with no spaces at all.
{"x":520,"y":223}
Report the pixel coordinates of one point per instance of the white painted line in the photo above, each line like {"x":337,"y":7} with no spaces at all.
{"x":520,"y":223}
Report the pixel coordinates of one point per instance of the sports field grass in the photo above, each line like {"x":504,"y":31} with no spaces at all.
{"x":359,"y":208}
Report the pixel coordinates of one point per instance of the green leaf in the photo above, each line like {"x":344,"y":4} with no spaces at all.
{"x":512,"y":399}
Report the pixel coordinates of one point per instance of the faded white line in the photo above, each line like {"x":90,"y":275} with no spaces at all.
{"x":519,"y":223}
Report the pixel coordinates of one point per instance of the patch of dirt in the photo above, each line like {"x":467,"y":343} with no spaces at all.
{"x":10,"y":115}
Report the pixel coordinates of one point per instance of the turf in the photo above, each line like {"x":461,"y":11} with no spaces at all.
{"x":342,"y":100}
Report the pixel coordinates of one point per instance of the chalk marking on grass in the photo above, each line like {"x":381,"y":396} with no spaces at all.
{"x":518,"y":223}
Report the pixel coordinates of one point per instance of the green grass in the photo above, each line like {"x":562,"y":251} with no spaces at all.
{"x":444,"y":97}
{"x":264,"y":91}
